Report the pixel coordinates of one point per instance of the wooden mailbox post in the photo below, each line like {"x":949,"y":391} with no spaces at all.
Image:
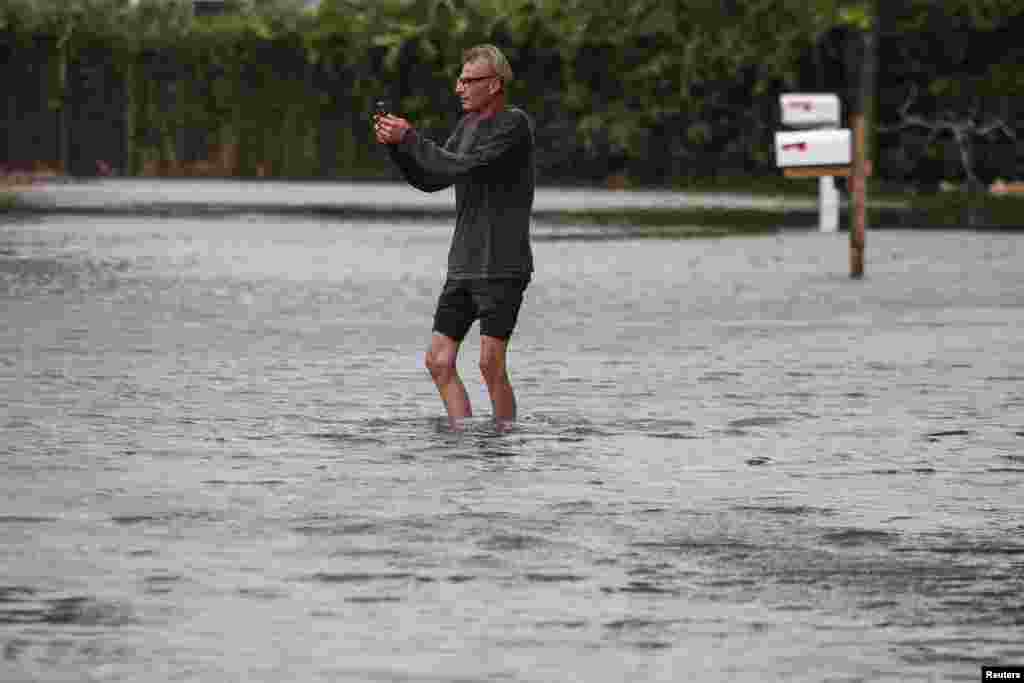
{"x":818,"y":148}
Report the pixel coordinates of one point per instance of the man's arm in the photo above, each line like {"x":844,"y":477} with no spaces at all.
{"x":390,"y":130}
{"x":443,"y":165}
{"x":415,"y":175}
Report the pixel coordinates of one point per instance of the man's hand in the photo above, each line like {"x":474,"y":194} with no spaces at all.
{"x":390,"y":129}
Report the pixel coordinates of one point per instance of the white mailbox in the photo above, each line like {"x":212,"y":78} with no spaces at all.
{"x":830,"y":147}
{"x":810,"y":110}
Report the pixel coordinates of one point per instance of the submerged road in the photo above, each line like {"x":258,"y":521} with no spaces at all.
{"x":222,"y":458}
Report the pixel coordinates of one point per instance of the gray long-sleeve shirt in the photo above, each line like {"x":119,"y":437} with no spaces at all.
{"x":491,"y":163}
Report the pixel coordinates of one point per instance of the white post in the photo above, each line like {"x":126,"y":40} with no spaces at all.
{"x":828,"y":205}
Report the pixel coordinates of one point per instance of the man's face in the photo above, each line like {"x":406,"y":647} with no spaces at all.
{"x":477,"y":86}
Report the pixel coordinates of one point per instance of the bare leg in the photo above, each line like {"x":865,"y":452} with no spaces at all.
{"x":441,"y":361}
{"x":493,"y":352}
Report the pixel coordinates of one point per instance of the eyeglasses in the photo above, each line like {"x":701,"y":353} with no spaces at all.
{"x":471,"y":81}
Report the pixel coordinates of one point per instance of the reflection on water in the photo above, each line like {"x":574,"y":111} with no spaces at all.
{"x":223,"y":460}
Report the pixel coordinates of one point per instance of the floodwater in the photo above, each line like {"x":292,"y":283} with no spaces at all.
{"x":222,"y":459}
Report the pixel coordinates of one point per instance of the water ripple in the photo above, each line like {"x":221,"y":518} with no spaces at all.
{"x":26,"y":605}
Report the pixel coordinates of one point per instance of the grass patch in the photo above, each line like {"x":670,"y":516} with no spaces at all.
{"x":8,"y":200}
{"x":686,"y":222}
{"x":953,"y":210}
{"x":699,"y":231}
{"x":664,"y":217}
{"x":961,"y":209}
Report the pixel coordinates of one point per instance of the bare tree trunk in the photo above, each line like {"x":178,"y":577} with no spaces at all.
{"x":974,"y":184}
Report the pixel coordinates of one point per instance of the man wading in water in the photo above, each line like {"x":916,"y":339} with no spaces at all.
{"x":489,"y":158}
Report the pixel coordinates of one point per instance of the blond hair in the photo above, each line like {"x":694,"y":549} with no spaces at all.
{"x":493,"y":56}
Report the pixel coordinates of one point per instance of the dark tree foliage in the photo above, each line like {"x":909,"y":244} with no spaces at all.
{"x":656,"y":91}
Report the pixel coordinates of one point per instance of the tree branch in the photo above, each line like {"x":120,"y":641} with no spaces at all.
{"x":963,"y":127}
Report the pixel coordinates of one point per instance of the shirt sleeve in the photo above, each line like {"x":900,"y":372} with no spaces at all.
{"x":441,"y":164}
{"x":413,"y":173}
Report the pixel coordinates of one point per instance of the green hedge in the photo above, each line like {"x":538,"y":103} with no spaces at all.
{"x":650,"y":91}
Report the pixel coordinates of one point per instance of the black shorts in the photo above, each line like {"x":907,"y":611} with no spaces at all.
{"x":494,"y":301}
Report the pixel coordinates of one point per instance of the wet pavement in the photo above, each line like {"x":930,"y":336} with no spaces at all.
{"x":128,"y":195}
{"x":223,"y":461}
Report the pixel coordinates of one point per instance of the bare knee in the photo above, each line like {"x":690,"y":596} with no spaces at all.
{"x":492,"y":360}
{"x":492,"y":369}
{"x":440,"y":365}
